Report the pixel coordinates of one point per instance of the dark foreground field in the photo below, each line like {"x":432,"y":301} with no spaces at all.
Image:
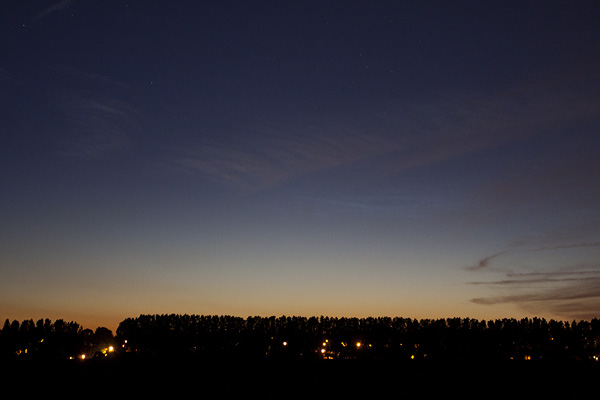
{"x":301,"y":379}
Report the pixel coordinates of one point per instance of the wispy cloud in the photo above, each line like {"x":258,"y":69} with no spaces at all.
{"x":568,"y":246}
{"x":57,"y":6}
{"x":570,"y":236}
{"x":275,"y":155}
{"x":484,"y":262}
{"x":402,"y":137}
{"x":541,"y":278}
{"x":95,"y":118}
{"x":567,"y":289}
{"x":573,"y":297}
{"x":98,"y":127}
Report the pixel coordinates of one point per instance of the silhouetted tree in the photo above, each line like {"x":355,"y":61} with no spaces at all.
{"x":264,"y":337}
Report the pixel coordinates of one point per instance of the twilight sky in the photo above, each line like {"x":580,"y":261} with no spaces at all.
{"x":423,"y":159}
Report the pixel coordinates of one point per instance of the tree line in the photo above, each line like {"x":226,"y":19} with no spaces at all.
{"x":295,"y":337}
{"x":371,"y":337}
{"x":52,"y":340}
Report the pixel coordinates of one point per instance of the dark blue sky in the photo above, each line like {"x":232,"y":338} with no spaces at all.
{"x":421,"y":159}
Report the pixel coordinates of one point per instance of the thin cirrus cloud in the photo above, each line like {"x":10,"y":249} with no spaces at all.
{"x":570,"y":295}
{"x":567,"y":289}
{"x":53,"y":8}
{"x":569,"y":246}
{"x":520,"y":279}
{"x":572,"y":236}
{"x":401,"y":137}
{"x":534,"y":245}
{"x":484,"y":262}
{"x":95,"y":119}
{"x":275,"y":156}
{"x":96,"y":128}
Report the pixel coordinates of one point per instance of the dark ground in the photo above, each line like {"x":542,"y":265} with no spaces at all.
{"x":289,"y":379}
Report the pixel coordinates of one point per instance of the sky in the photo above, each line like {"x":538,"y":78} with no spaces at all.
{"x":419,"y":159}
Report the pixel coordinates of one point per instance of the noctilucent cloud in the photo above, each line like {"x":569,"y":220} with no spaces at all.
{"x":417,"y":159}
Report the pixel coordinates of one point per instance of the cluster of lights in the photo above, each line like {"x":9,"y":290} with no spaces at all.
{"x":358,"y":345}
{"x":325,"y":344}
{"x":105,"y":351}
